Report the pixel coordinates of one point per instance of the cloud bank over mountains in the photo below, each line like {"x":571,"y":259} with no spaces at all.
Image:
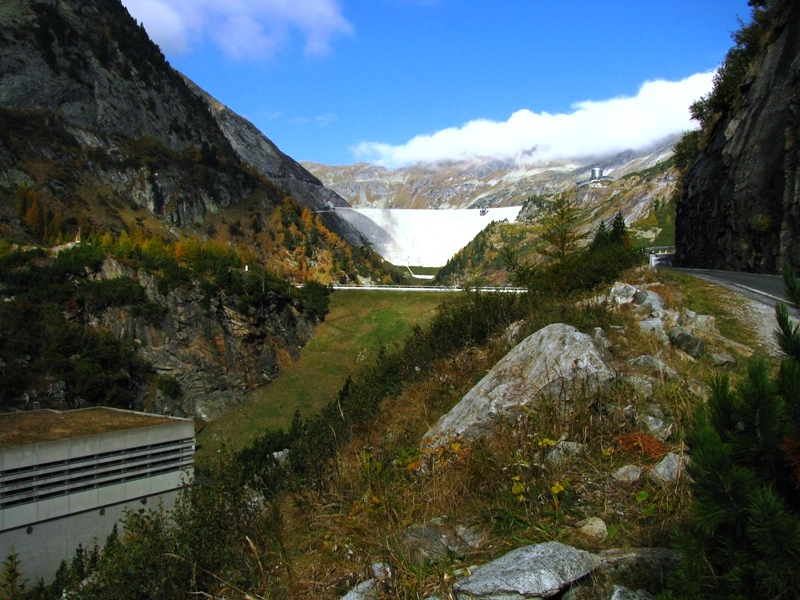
{"x":242,"y":29}
{"x":660,"y":109}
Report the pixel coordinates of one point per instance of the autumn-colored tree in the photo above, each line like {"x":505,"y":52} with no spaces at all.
{"x":34,"y":217}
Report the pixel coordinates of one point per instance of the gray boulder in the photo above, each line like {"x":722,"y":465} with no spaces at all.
{"x":691,"y":344}
{"x":648,"y":301}
{"x":538,"y":571}
{"x":429,"y":542}
{"x":557,"y":360}
{"x":668,"y":470}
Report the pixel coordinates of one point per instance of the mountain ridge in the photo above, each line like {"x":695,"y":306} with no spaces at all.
{"x":475,"y":183}
{"x":89,"y":80}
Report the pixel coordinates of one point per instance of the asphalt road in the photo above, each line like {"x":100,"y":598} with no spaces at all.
{"x":767,"y":289}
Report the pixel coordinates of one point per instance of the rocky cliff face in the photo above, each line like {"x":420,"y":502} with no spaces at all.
{"x":103,"y":136}
{"x":741,"y":201}
{"x":90,"y":109}
{"x":215,"y":347}
{"x":255,"y":149}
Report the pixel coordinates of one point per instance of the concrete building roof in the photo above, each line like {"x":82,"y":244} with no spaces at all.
{"x":36,"y":426}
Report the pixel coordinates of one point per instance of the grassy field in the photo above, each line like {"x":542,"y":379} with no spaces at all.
{"x":359,"y":322}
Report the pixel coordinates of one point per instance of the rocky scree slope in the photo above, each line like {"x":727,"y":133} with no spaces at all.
{"x":94,"y":118}
{"x":741,"y":199}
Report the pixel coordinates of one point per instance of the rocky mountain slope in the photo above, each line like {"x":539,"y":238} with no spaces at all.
{"x":741,"y":200}
{"x":644,"y":198}
{"x":196,"y":214}
{"x":475,"y":183}
{"x":92,"y":113}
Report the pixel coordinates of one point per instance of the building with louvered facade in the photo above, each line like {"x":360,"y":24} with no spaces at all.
{"x":67,"y":477}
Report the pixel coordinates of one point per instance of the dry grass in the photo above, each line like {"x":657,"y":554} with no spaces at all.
{"x":503,"y":488}
{"x":36,"y":426}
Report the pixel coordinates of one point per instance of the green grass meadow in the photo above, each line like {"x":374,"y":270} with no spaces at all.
{"x":359,"y":322}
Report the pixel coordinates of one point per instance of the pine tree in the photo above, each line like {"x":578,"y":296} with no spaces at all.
{"x":12,"y":585}
{"x":744,"y":539}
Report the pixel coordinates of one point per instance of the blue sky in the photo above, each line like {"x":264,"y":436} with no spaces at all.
{"x":399,"y":81}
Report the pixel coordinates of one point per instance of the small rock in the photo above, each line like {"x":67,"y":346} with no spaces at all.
{"x":281,"y":456}
{"x":470,"y":536}
{"x":640,"y":567}
{"x":642,"y":386}
{"x":621,"y":293}
{"x":593,"y":527}
{"x":648,"y":300}
{"x":695,"y":388}
{"x":622,"y":593}
{"x":363,"y":591}
{"x":428,"y":543}
{"x":692,"y":345}
{"x":660,"y":368}
{"x":601,"y":340}
{"x":654,"y":422}
{"x":654,"y":326}
{"x":668,"y":470}
{"x":706,"y":323}
{"x":628,"y":474}
{"x":561,"y":451}
{"x":380,"y":571}
{"x":722,"y":359}
{"x":513,"y":332}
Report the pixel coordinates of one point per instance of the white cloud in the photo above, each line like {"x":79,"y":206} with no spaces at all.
{"x":241,"y":28}
{"x":661,"y":108}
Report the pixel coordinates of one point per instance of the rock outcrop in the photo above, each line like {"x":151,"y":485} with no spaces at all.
{"x":741,"y":200}
{"x":557,"y":360}
{"x":215,"y":347}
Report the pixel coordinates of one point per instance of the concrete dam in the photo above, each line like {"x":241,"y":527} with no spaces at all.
{"x":422,"y":237}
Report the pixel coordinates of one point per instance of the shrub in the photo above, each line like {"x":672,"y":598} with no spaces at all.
{"x":169,"y":386}
{"x":744,"y":539}
{"x":316,"y":299}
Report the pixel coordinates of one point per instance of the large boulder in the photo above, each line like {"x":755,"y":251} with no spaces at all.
{"x":558,"y":361}
{"x":538,"y":571}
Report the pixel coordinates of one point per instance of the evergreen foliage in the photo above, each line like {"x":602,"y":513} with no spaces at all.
{"x":167,"y":554}
{"x":46,"y":337}
{"x":744,"y":539}
{"x":610,"y":253}
{"x":12,"y":583}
